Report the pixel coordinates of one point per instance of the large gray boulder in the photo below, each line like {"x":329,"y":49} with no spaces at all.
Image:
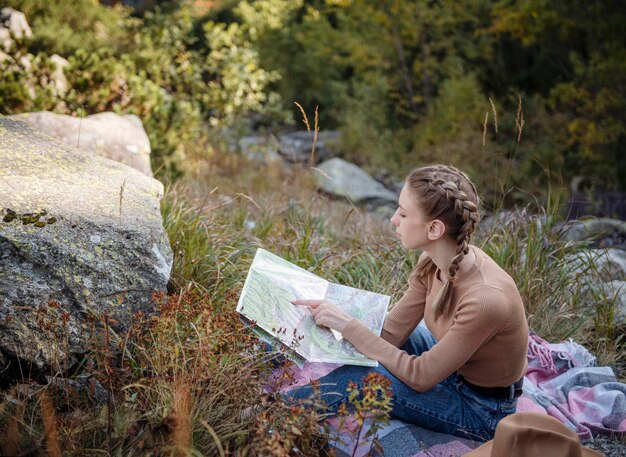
{"x":296,"y":147}
{"x":615,"y":292}
{"x":612,"y":265}
{"x":118,"y":137}
{"x":80,"y":236}
{"x":595,"y":229}
{"x":602,"y":264}
{"x":602,"y":272}
{"x":344,"y":179}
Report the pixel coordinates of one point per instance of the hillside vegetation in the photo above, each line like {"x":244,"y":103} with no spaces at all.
{"x":180,"y":382}
{"x":406,"y":82}
{"x":522,"y":94}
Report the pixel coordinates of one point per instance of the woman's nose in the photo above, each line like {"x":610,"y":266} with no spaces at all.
{"x":394,"y":219}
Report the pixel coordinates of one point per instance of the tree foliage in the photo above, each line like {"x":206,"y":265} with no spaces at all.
{"x":157,"y":66}
{"x":411,"y":81}
{"x":405,"y":81}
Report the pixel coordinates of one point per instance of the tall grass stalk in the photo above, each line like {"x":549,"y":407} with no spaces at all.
{"x":12,"y":416}
{"x":182,"y":404}
{"x":49,"y":419}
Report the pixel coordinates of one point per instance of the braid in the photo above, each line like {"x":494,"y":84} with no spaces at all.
{"x":458,"y":207}
{"x":463,"y":208}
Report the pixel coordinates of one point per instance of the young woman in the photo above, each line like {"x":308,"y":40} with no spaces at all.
{"x":463,"y":373}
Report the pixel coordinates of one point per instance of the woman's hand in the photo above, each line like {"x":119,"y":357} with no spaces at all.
{"x":326,"y":313}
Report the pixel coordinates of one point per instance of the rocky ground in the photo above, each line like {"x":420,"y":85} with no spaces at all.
{"x":610,"y":446}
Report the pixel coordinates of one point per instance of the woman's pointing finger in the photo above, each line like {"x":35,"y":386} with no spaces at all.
{"x":309,"y":303}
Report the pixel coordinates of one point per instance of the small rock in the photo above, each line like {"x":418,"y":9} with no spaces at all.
{"x":85,"y":390}
{"x":4,"y":57}
{"x":26,"y":61}
{"x":59,"y":81}
{"x":16,"y":22}
{"x":5,"y":39}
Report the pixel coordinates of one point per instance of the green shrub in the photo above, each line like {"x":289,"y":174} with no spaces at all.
{"x":27,"y":84}
{"x":63,"y":28}
{"x":181,"y":84}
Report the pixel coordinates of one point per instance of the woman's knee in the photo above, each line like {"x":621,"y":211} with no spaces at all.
{"x":311,"y":396}
{"x":332,"y":389}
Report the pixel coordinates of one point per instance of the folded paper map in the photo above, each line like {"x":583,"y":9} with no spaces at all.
{"x":265,"y":300}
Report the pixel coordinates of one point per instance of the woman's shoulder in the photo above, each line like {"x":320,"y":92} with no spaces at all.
{"x":489,"y":268}
{"x":490,"y":276}
{"x":494,"y":303}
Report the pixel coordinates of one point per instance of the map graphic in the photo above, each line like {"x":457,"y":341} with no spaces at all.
{"x":273,"y":282}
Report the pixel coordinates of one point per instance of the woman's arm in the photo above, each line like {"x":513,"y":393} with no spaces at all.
{"x":407,"y":312}
{"x":475,"y":321}
{"x":399,"y":323}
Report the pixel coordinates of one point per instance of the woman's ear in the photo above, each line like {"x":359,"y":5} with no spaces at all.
{"x":436,"y":230}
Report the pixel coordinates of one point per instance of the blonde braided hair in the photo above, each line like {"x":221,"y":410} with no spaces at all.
{"x":444,"y":192}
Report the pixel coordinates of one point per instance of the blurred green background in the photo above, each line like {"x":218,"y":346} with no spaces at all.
{"x":405,"y":82}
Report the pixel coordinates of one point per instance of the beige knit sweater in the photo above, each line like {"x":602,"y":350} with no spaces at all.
{"x":485,"y":339}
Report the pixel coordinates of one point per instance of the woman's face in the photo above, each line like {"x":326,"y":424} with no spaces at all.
{"x":410,"y":222}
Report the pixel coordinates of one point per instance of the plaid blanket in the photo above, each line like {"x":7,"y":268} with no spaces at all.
{"x":562,"y":381}
{"x":399,"y":439}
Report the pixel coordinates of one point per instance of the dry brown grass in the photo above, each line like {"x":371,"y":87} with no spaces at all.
{"x":50,"y":428}
{"x":10,"y":441}
{"x":182,"y":435}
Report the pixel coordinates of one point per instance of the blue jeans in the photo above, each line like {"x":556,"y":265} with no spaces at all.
{"x":449,"y":407}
